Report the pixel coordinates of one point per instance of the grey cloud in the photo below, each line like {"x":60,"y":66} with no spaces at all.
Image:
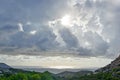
{"x":15,"y":11}
{"x":111,"y":23}
{"x":95,"y":38}
{"x":98,"y":45}
{"x":43,"y":39}
{"x":8,"y":28}
{"x":105,"y":43}
{"x":70,"y":40}
{"x":88,"y":4}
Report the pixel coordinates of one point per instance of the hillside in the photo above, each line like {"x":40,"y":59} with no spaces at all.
{"x":113,"y":65}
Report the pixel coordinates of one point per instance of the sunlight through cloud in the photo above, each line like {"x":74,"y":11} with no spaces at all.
{"x":66,"y":20}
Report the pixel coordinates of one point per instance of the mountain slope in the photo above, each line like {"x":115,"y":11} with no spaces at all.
{"x":114,"y":64}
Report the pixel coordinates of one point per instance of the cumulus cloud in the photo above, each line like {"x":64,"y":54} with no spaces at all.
{"x":36,"y":27}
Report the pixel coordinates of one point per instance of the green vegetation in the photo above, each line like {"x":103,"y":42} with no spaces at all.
{"x":111,"y":75}
{"x":98,"y":76}
{"x":27,"y":76}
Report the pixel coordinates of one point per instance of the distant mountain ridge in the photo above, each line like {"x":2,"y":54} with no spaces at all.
{"x":4,"y":66}
{"x":67,"y":74}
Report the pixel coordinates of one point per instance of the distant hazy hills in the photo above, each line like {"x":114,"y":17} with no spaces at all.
{"x":4,"y":66}
{"x":67,"y":74}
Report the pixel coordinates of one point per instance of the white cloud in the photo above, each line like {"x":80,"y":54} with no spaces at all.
{"x":33,"y":32}
{"x":21,"y":27}
{"x":89,"y":25}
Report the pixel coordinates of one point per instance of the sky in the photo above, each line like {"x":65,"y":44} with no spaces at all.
{"x":59,"y":33}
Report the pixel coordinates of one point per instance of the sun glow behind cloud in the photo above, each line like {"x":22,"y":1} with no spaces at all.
{"x":66,"y":20}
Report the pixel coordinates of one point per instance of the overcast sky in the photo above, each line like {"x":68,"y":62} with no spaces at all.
{"x":59,"y":33}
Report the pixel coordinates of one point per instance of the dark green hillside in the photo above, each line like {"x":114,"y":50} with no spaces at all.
{"x":27,"y":76}
{"x":112,"y":75}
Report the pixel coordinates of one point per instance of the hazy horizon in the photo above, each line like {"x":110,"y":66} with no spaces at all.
{"x":53,"y":70}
